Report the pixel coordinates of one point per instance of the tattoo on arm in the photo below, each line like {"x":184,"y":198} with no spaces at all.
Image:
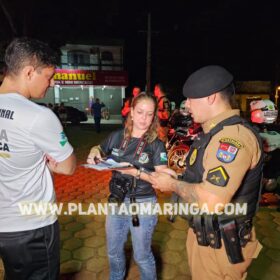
{"x":186,"y":191}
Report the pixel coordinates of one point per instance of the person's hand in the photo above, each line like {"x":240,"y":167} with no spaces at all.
{"x":170,"y":171}
{"x":51,"y":162}
{"x":94,"y":155}
{"x":162,"y":181}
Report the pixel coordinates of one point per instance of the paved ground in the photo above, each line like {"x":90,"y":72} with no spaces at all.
{"x":83,"y":248}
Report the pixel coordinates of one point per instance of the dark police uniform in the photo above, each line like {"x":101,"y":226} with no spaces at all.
{"x":226,"y":161}
{"x":153,"y":154}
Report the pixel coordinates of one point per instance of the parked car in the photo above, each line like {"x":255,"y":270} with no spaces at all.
{"x":75,"y":116}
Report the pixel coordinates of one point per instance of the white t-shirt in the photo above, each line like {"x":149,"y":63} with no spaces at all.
{"x":28,"y":132}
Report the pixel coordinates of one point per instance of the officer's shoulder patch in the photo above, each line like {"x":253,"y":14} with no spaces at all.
{"x":218,"y":176}
{"x":228,"y":149}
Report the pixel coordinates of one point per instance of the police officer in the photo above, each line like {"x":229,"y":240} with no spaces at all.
{"x":224,"y":166}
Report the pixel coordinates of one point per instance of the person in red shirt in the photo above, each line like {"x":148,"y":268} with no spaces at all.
{"x":163,"y":111}
{"x":127,"y":104}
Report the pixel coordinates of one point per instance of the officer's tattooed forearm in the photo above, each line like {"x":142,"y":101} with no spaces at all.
{"x":186,"y":191}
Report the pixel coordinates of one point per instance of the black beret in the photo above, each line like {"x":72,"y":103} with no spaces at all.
{"x":206,"y":81}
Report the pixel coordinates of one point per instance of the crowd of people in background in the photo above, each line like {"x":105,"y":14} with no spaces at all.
{"x":98,"y":109}
{"x":165,"y":107}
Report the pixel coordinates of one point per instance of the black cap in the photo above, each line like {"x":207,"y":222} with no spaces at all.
{"x":206,"y":81}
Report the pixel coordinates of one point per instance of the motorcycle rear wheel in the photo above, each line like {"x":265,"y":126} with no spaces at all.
{"x":177,"y":158}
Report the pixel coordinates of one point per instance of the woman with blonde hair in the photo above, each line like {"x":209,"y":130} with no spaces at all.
{"x":139,"y":145}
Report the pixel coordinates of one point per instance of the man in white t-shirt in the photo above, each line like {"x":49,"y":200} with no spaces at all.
{"x":32,"y":147}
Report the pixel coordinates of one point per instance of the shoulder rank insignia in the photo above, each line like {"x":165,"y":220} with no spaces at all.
{"x":228,"y":149}
{"x":218,"y":176}
{"x":193,"y":157}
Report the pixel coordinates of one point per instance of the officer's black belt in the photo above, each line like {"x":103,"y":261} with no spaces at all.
{"x":210,"y":231}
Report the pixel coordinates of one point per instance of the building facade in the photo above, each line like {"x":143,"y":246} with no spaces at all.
{"x":87,"y":72}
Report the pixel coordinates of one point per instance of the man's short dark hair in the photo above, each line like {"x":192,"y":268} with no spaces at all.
{"x":228,"y":92}
{"x":27,"y":51}
{"x":228,"y":95}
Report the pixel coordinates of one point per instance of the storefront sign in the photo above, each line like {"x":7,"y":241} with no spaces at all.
{"x":72,"y":77}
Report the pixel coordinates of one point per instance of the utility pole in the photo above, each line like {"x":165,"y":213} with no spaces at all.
{"x":148,"y":59}
{"x":148,"y":55}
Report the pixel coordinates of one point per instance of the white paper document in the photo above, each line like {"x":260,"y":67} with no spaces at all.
{"x":107,"y":165}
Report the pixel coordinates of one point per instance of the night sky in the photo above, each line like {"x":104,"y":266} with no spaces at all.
{"x":242,"y":35}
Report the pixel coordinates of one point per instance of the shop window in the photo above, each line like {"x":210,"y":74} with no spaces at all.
{"x":106,"y":55}
{"x":78,"y":58}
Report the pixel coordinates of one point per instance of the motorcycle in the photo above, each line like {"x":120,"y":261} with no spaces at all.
{"x":181,"y":134}
{"x":263,"y":116}
{"x":271,"y":170}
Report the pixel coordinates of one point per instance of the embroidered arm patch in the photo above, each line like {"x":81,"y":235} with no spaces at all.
{"x":218,"y":176}
{"x":228,"y":150}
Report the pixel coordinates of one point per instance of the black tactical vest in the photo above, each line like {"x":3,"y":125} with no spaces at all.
{"x":249,"y":191}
